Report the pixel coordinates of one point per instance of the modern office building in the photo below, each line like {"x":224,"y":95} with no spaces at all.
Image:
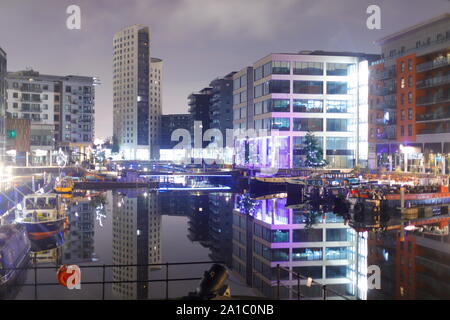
{"x":199,"y":104}
{"x":3,"y":72}
{"x":221,"y":108}
{"x":60,"y":109}
{"x":409,"y":99}
{"x":267,"y":233}
{"x":131,"y":81}
{"x":283,"y":96}
{"x":170,"y":123}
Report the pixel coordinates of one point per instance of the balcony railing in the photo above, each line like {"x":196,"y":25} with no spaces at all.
{"x":433,"y":64}
{"x":385,"y":122}
{"x":29,"y":89}
{"x":432,"y":116}
{"x":386,"y":74}
{"x":433,"y":82}
{"x":423,"y":101}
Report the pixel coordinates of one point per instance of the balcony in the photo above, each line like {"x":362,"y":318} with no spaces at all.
{"x":386,"y":74}
{"x":385,"y":122}
{"x":433,"y":99}
{"x":430,"y":65}
{"x":433,"y":82}
{"x":433,"y":116}
{"x":24,"y":88}
{"x":386,"y":105}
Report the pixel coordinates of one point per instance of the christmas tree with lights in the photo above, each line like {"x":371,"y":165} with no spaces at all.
{"x":314,"y":153}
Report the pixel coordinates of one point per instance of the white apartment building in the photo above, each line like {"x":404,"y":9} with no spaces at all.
{"x":291,"y":94}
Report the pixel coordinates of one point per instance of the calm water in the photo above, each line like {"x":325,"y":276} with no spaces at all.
{"x":250,"y":236}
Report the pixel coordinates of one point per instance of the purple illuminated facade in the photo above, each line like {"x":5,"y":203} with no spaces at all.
{"x":283,"y":96}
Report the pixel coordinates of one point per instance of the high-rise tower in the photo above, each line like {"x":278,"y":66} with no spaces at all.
{"x":131,"y":72}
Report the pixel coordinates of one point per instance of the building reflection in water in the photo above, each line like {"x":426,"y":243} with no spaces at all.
{"x":79,"y":240}
{"x":267,"y":233}
{"x":415,"y":265}
{"x":136,"y":241}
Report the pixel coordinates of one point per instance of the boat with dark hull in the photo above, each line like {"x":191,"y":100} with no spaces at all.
{"x":14,"y":252}
{"x":42,"y":215}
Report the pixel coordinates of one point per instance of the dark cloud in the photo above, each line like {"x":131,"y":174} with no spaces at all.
{"x":197,"y":39}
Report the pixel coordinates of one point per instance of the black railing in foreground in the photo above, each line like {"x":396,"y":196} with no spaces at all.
{"x":36,"y":284}
{"x":299,"y":277}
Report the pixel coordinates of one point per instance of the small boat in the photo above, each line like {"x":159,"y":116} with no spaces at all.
{"x":64,"y":185}
{"x":41,"y":214}
{"x":14,"y":252}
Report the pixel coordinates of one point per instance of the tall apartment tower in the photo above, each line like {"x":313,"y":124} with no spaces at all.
{"x":2,"y":103}
{"x":131,"y":81}
{"x":409,"y":99}
{"x":156,"y":78}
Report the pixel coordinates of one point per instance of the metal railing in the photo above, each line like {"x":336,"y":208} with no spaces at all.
{"x":104,"y":282}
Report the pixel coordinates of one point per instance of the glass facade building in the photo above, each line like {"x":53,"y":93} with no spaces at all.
{"x":283,"y":96}
{"x":273,"y":234}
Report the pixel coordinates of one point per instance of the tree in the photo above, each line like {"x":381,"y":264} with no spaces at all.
{"x":115,"y":145}
{"x":314,"y":153}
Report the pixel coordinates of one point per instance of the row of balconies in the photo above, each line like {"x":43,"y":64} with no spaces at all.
{"x":434,"y":99}
{"x":437,"y":63}
{"x":433,"y":82}
{"x":439,"y":115}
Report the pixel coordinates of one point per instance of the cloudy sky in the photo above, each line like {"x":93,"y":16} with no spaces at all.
{"x":197,"y":39}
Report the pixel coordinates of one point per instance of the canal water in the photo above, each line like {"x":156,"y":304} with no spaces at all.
{"x":251,"y":237}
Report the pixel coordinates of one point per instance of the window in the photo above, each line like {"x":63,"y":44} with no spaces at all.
{"x":402,"y":131}
{"x":282,"y":124}
{"x":15,"y":95}
{"x":410,"y":64}
{"x":336,"y":253}
{"x":402,"y":83}
{"x":312,"y":272}
{"x":337,"y":69}
{"x":340,"y":125}
{"x":267,"y":69}
{"x":402,"y":115}
{"x":279,"y":236}
{"x":337,"y":235}
{"x":336,"y":272}
{"x":308,"y":87}
{"x":410,"y":114}
{"x":236,"y":83}
{"x":308,"y":124}
{"x":410,"y":131}
{"x":258,"y":73}
{"x":335,"y":87}
{"x":410,"y":97}
{"x":308,"y":68}
{"x":337,"y":106}
{"x":258,"y":108}
{"x":410,"y":82}
{"x":306,"y":254}
{"x":402,"y":66}
{"x":312,"y":235}
{"x":237,"y":98}
{"x":281,"y":67}
{"x":280,"y":105}
{"x":308,"y":105}
{"x":402,"y":98}
{"x":279,"y":86}
{"x":337,"y":144}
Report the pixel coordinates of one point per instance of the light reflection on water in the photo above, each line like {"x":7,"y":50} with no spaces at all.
{"x":250,"y":236}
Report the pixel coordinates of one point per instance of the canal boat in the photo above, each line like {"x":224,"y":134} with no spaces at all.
{"x":42,"y":215}
{"x":14,"y":252}
{"x":64,"y":185}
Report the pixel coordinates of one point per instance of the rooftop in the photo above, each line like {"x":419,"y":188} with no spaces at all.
{"x":415,"y":28}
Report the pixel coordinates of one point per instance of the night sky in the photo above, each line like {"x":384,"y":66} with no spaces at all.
{"x":197,"y":39}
